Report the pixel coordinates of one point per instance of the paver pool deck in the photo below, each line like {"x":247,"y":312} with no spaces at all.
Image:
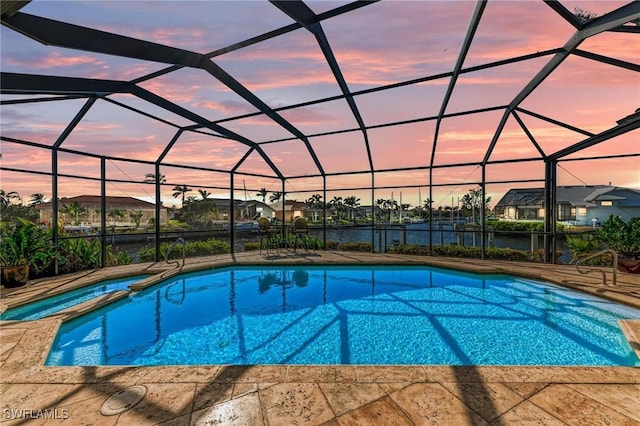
{"x":31,"y":393}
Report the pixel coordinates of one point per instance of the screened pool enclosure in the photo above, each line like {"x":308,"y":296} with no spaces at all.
{"x":384,"y":123}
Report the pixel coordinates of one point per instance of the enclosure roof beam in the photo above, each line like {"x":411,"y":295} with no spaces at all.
{"x":616,"y":18}
{"x":178,"y":110}
{"x":15,"y":83}
{"x":302,"y":14}
{"x":62,"y":34}
{"x":464,"y":49}
{"x":624,"y":126}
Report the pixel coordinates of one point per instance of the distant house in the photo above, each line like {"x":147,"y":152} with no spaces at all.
{"x":243,"y":210}
{"x":92,"y":215}
{"x":578,"y":205}
{"x":292,"y":209}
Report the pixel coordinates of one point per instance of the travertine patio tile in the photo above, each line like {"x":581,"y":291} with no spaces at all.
{"x":241,"y":389}
{"x":525,"y":390}
{"x":490,"y":400}
{"x":431,"y":403}
{"x":37,"y":396}
{"x":332,"y":422}
{"x":622,"y":398}
{"x":379,"y":412}
{"x":178,"y":374}
{"x":163,"y":402}
{"x":344,"y":397}
{"x":85,"y":412}
{"x":574,"y":408}
{"x":527,"y":414}
{"x":394,"y":387}
{"x":346,"y":373}
{"x":260,"y":373}
{"x":11,"y":334}
{"x":238,"y":411}
{"x":388,"y":373}
{"x":185,"y":419}
{"x":311,"y":373}
{"x":295,"y":403}
{"x":208,"y":394}
{"x":6,"y":348}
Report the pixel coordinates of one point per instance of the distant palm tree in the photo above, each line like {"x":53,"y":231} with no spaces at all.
{"x":180,"y":191}
{"x":37,"y":198}
{"x":314,"y":204}
{"x":151,"y":178}
{"x":337,"y":205}
{"x":116,"y":214}
{"x":136,"y":216}
{"x":263,"y":194}
{"x":352,"y":203}
{"x":275,"y":197}
{"x":204,"y":193}
{"x":76,"y":210}
{"x":6,"y":197}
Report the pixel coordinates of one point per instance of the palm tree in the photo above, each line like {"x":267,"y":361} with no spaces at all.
{"x":6,"y":197}
{"x":275,"y":196}
{"x":263,"y":194}
{"x":204,"y":193}
{"x":352,"y":202}
{"x":391,"y":205}
{"x":428,"y":208}
{"x":337,"y":205}
{"x":76,"y":210}
{"x":37,"y":198}
{"x":136,"y":216}
{"x":180,"y":191}
{"x":116,"y":214}
{"x":313,"y":204}
{"x":380,"y":203}
{"x":151,"y":178}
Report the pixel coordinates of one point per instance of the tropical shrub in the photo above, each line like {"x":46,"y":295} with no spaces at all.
{"x":494,"y":253}
{"x":621,"y":236}
{"x":356,"y":246}
{"x":252,"y":246}
{"x":193,"y":248}
{"x":581,"y":246}
{"x":517,"y":227}
{"x":332,"y":245}
{"x":26,"y":243}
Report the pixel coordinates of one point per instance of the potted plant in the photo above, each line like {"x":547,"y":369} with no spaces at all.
{"x":624,"y":238}
{"x":23,"y":247}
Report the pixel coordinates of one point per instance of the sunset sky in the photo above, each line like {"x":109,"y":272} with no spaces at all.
{"x":380,"y":44}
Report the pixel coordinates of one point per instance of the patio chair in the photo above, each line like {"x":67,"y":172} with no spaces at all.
{"x":268,"y":235}
{"x":300,"y":232}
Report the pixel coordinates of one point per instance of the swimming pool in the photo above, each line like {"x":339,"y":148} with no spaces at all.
{"x":51,"y":305}
{"x":348,"y":315}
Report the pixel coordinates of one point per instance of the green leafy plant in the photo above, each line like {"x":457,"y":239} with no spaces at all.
{"x":355,"y":246}
{"x":581,"y":246}
{"x":26,"y":243}
{"x":621,"y":236}
{"x":193,"y":248}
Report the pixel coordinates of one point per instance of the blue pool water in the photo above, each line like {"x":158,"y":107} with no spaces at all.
{"x":51,"y":305}
{"x":348,"y":315}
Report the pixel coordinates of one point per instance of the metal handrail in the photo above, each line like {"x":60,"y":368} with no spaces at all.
{"x":184,"y":253}
{"x":604,"y":275}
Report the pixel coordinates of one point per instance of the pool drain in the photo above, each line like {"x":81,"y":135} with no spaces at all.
{"x":123,"y":400}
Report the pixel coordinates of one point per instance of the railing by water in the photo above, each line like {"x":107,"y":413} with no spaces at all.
{"x":184,"y":253}
{"x":614,"y":256}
